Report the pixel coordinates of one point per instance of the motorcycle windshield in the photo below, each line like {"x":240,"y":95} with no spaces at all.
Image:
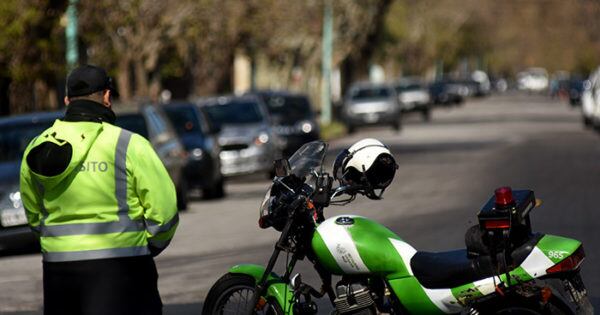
{"x":308,"y":158}
{"x":305,"y":162}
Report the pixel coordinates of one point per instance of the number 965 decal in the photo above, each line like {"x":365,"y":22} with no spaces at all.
{"x":557,"y":254}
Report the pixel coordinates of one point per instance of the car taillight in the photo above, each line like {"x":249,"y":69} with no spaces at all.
{"x":496,"y":224}
{"x":570,"y":263}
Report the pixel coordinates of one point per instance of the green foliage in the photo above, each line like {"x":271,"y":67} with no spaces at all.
{"x":142,"y":42}
{"x":509,"y":35}
{"x":29,"y":40}
{"x":333,"y":130}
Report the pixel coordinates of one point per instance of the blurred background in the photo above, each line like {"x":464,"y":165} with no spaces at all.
{"x":196,"y":48}
{"x":469,"y":95}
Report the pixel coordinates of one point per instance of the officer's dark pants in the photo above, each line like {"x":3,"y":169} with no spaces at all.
{"x":115,"y":286}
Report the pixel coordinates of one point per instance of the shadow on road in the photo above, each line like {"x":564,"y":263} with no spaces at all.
{"x":174,"y":309}
{"x":28,"y":250}
{"x":182,"y":309}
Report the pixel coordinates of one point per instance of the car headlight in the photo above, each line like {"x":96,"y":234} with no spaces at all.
{"x":197,"y":154}
{"x":12,"y":212}
{"x":15,"y":199}
{"x":306,"y":127}
{"x":262,"y":138}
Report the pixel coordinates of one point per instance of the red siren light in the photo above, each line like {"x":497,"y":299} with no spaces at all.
{"x":504,"y":197}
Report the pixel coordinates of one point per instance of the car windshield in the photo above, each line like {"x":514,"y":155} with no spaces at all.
{"x":408,"y":87}
{"x":369,"y":93}
{"x":134,"y":123}
{"x":234,"y":113}
{"x":184,"y":120}
{"x":288,"y":109}
{"x":14,"y":139}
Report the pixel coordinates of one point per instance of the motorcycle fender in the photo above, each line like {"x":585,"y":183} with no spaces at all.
{"x":549,"y":251}
{"x":277,"y":289}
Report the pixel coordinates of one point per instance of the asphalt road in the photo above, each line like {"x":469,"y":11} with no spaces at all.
{"x":448,"y":169}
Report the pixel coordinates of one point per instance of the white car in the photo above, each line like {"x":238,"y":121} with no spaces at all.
{"x":414,"y":96}
{"x":591,"y":100}
{"x":533,"y":80}
{"x":587,"y":103}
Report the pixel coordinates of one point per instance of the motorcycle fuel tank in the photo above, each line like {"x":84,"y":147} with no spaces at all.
{"x":349,"y":244}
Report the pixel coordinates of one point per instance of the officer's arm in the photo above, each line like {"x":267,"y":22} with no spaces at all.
{"x":156,"y":192}
{"x":30,"y":198}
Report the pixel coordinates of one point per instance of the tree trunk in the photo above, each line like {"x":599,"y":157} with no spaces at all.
{"x":356,"y":65}
{"x":141,"y":79}
{"x":4,"y":96}
{"x":124,"y":80}
{"x":21,"y":97}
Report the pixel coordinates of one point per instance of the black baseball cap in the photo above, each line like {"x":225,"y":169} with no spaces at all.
{"x":87,"y":79}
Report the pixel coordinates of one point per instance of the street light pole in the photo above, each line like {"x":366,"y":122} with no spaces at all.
{"x":72,"y":51}
{"x":326,"y":63}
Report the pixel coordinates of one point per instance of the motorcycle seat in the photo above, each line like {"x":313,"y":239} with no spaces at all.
{"x":454,"y":268}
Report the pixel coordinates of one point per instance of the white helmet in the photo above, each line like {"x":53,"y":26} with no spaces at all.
{"x":367,"y":163}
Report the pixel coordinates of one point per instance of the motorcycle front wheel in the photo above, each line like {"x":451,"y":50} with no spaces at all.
{"x":232,"y":294}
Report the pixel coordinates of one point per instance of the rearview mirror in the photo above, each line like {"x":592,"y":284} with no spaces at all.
{"x":282,"y":167}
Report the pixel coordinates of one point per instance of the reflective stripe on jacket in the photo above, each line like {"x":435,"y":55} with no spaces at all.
{"x":92,"y":191}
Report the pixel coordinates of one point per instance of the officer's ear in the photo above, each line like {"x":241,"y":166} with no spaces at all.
{"x":106,"y":98}
{"x":67,"y":101}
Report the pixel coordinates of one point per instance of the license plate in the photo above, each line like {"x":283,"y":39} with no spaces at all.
{"x":371,"y":118}
{"x":13,"y":217}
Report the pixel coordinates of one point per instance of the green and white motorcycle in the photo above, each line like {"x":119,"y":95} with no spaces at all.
{"x":505,"y":269}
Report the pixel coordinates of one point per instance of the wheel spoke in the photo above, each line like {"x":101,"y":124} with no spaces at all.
{"x":236,"y":301}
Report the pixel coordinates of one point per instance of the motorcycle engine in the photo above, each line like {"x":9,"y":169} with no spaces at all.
{"x":353,"y":297}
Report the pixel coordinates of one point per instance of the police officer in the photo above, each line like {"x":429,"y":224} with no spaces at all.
{"x":102,"y":204}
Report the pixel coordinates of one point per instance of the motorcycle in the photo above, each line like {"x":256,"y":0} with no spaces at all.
{"x":505,"y":269}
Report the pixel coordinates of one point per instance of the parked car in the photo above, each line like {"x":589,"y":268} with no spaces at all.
{"x":484,"y":86}
{"x":371,"y":104}
{"x":591,"y":101}
{"x":200,"y":139}
{"x":576,"y":87}
{"x":15,"y":134}
{"x":587,"y":102}
{"x":248,"y":144}
{"x":446,"y":92}
{"x":150,"y":122}
{"x":414,"y":96}
{"x":533,"y":80}
{"x":292,"y":117}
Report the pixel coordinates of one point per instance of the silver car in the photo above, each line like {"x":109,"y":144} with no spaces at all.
{"x":248,"y":144}
{"x":371,"y":104}
{"x":413,"y":96}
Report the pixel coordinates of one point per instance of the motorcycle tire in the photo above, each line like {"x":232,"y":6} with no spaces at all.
{"x":573,"y":294}
{"x":231,"y":294}
{"x":526,"y":307}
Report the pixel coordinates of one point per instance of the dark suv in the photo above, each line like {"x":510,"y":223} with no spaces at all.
{"x":200,"y":139}
{"x":248,"y":144}
{"x":15,"y":134}
{"x":292,"y":117}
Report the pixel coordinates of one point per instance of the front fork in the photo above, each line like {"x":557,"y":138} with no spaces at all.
{"x":273,"y":287}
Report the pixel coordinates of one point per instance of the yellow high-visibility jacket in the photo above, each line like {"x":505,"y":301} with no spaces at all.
{"x":93,"y":190}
